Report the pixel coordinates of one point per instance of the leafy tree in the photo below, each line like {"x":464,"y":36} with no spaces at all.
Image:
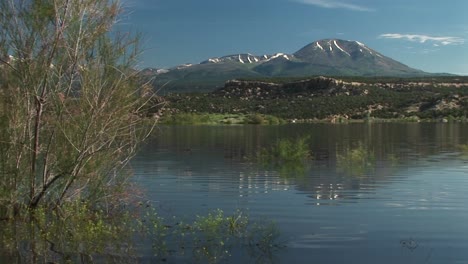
{"x":70,"y":104}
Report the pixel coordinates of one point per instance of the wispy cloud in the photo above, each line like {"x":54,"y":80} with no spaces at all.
{"x":425,"y":38}
{"x":335,"y":4}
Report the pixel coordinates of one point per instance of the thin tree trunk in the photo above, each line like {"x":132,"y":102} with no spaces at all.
{"x":35,"y":148}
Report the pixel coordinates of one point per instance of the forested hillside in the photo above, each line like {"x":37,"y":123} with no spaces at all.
{"x":329,"y":98}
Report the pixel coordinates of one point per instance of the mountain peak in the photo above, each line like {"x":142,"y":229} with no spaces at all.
{"x":322,"y":57}
{"x":335,"y":47}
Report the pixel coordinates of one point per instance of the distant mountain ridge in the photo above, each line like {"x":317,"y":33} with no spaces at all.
{"x":327,"y":57}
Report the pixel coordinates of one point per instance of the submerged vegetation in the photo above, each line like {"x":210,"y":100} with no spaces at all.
{"x":80,"y":234}
{"x":463,"y":148}
{"x":77,"y":233}
{"x":356,"y":161}
{"x":288,"y":156}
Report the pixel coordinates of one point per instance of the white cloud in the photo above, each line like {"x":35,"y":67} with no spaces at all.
{"x":335,"y":4}
{"x":425,"y":38}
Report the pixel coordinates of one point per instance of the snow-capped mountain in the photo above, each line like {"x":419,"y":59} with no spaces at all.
{"x":246,"y":58}
{"x":336,"y":47}
{"x":324,"y":57}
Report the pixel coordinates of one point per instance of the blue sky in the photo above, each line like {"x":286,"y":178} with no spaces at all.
{"x":431,"y":35}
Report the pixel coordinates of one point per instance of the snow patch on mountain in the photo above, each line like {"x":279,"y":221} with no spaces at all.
{"x":183,"y":66}
{"x":277,"y":55}
{"x":360,"y":44}
{"x":240,"y":59}
{"x":336,"y":44}
{"x":319,"y":46}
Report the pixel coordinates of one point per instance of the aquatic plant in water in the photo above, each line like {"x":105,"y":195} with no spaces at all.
{"x":287,"y":156}
{"x":463,"y":148}
{"x":211,"y":238}
{"x":356,"y":161}
{"x":78,"y":233}
{"x":88,"y":235}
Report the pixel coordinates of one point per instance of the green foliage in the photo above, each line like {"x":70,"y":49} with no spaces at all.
{"x":356,"y":161}
{"x":210,"y":238}
{"x":214,"y":233}
{"x":463,"y":149}
{"x":72,"y":112}
{"x":184,"y":118}
{"x":287,"y":156}
{"x":411,"y":119}
{"x":388,"y":97}
{"x":262,"y":119}
{"x":43,"y":10}
{"x":80,"y":232}
{"x":286,"y":151}
{"x":273,"y":120}
{"x":75,"y":234}
{"x":255,"y":119}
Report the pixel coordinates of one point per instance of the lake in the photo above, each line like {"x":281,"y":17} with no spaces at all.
{"x":407,"y":203}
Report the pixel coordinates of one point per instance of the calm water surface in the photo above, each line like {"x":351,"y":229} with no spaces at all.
{"x":408,"y":205}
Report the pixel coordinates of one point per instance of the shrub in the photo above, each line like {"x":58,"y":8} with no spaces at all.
{"x":255,"y":119}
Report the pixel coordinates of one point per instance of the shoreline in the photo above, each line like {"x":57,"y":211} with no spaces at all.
{"x":263,"y":119}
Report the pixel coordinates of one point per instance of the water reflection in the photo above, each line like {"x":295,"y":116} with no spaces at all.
{"x":391,"y":186}
{"x":367,"y":184}
{"x":349,"y":161}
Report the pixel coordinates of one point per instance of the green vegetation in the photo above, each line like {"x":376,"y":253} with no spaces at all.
{"x":207,"y":239}
{"x":210,"y":238}
{"x":369,"y":79}
{"x":287,"y":156}
{"x":464,"y":150}
{"x":71,"y":105}
{"x":219,"y":119}
{"x":374,"y":99}
{"x":72,"y":114}
{"x":81,"y":234}
{"x":356,"y":161}
{"x":74,"y":234}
